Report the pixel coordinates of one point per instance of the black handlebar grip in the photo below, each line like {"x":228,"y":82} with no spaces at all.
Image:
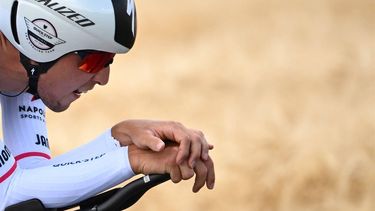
{"x":132,"y":192}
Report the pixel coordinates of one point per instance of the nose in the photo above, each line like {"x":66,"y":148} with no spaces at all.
{"x":102,"y":76}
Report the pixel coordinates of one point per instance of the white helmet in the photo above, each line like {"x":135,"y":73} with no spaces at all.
{"x":45,"y":30}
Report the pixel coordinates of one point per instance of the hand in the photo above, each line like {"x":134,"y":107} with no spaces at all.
{"x":149,"y":162}
{"x":147,"y":134}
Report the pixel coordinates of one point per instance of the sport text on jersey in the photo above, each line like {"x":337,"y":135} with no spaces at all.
{"x":67,"y":12}
{"x":31,"y":112}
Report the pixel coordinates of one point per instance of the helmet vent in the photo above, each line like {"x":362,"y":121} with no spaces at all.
{"x":13,"y":19}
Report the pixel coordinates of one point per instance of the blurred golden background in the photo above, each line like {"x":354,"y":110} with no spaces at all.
{"x":283,"y":89}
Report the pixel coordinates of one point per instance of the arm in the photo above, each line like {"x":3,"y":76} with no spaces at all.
{"x":145,"y":161}
{"x":71,"y":181}
{"x":147,"y":134}
{"x":67,"y":183}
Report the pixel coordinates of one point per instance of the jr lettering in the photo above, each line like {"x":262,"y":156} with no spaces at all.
{"x":41,"y":140}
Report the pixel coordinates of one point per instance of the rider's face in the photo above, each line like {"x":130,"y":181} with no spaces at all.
{"x":64,"y":82}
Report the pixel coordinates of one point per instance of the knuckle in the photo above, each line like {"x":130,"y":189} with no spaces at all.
{"x":200,"y":133}
{"x":188,"y":175}
{"x":176,"y":124}
{"x":199,"y":137}
{"x":202,"y":171}
{"x":186,"y":139}
{"x":196,"y":138}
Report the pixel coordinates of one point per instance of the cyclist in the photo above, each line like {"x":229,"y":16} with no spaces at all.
{"x":66,"y":48}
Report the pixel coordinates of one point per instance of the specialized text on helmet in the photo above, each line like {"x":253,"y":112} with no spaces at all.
{"x":67,"y":12}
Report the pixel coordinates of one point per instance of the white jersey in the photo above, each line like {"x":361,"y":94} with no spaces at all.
{"x":27,"y":170}
{"x":24,"y":129}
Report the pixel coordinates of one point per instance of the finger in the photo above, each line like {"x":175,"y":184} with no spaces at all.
{"x":205,"y":145}
{"x":175,"y":174}
{"x":195,"y":151}
{"x":149,"y":142}
{"x":186,"y":171}
{"x":178,"y":133}
{"x":184,"y":149}
{"x":201,"y":175}
{"x":210,"y":180}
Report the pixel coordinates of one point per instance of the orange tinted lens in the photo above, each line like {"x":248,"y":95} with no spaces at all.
{"x":96,"y":61}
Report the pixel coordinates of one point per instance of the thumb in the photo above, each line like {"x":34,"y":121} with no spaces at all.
{"x":151,"y":142}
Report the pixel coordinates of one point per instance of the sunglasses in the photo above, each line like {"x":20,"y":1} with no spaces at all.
{"x":94,"y":61}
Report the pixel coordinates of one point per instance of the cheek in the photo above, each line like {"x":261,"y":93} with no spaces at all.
{"x":52,"y":88}
{"x":47,"y":92}
{"x":66,"y":81}
{"x":62,"y":79}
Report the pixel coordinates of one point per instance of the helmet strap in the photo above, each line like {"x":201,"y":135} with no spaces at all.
{"x":34,"y":72}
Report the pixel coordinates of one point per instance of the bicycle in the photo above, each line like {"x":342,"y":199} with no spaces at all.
{"x":112,"y":200}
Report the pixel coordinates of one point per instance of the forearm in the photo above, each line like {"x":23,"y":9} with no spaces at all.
{"x":71,"y":181}
{"x":102,"y":144}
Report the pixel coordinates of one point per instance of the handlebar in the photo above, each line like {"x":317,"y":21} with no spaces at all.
{"x":112,"y":200}
{"x":129,"y":194}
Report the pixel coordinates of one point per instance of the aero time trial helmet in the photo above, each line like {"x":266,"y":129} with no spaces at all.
{"x":45,"y":30}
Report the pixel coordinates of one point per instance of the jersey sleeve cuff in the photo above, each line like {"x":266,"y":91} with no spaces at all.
{"x":127,"y":168}
{"x":111,"y":141}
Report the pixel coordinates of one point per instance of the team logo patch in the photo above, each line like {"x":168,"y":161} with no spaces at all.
{"x":42,"y":35}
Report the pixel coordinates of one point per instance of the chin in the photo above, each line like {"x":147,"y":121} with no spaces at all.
{"x":57,"y":107}
{"x":57,"y":104}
